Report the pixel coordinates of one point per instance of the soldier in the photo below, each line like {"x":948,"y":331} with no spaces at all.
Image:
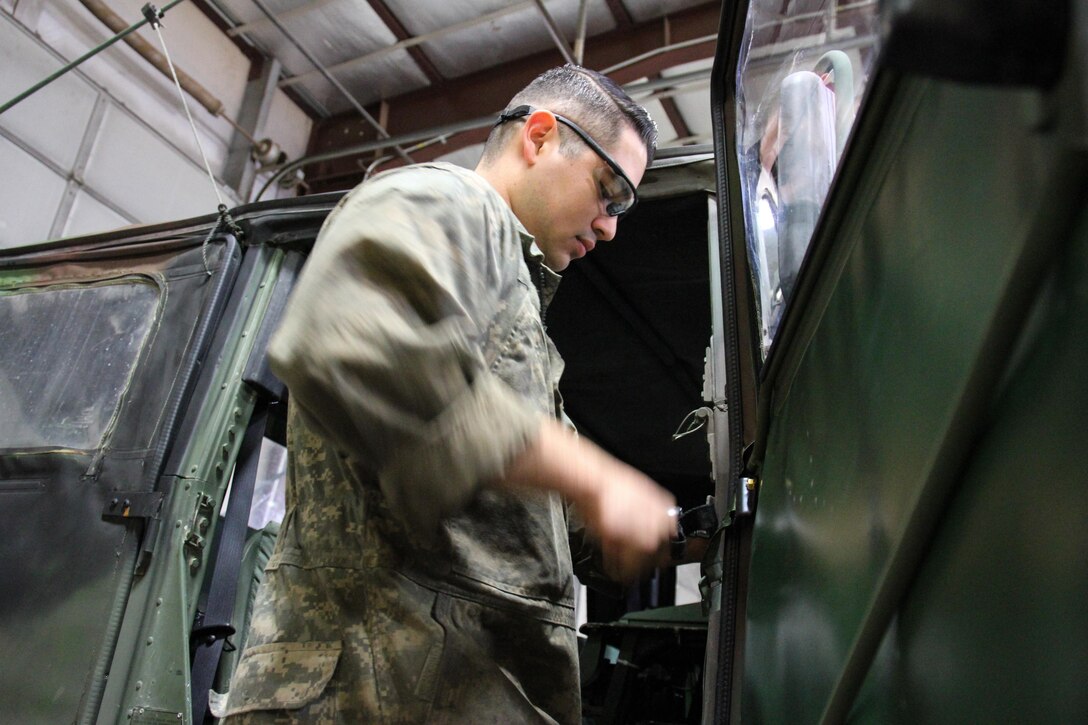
{"x":423,"y":570}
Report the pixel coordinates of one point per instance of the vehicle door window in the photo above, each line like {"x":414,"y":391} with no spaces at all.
{"x":68,"y":356}
{"x":802,"y":72}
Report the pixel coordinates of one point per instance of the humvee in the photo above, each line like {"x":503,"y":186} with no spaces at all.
{"x":857,"y":321}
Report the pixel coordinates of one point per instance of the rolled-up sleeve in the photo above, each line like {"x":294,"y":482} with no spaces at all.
{"x":381,"y":346}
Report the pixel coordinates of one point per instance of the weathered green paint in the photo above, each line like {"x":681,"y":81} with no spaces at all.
{"x":9,"y":280}
{"x":151,"y":665}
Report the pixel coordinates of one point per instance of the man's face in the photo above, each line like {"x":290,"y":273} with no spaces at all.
{"x":568,"y":211}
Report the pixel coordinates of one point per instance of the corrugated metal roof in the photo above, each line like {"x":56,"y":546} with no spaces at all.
{"x":417,"y":64}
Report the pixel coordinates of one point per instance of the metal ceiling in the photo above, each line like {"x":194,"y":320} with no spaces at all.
{"x":366,"y":69}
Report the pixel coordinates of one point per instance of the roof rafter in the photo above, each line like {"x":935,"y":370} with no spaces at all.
{"x":620,"y":14}
{"x":393,"y":23}
{"x":488,"y":91}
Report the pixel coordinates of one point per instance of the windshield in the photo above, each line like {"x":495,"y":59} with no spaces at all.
{"x":802,"y":72}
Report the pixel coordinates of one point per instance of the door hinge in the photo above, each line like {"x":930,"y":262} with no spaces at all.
{"x":142,"y":506}
{"x":124,"y":506}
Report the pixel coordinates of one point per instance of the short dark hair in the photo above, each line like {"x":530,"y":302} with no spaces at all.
{"x":591,"y":99}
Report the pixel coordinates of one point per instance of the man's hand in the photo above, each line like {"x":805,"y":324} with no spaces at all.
{"x":628,"y":515}
{"x":625,"y":510}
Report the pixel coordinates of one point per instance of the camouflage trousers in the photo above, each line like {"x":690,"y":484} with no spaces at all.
{"x":352,"y":646}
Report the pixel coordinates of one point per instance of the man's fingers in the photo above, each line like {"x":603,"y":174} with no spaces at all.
{"x":631,"y":553}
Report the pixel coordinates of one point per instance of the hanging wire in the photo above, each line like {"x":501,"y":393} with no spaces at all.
{"x":153,"y":17}
{"x":184,"y":104}
{"x":223,"y":215}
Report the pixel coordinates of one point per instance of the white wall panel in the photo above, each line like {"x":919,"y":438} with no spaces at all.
{"x":88,"y":216}
{"x":112,"y":133}
{"x":31,"y":195}
{"x":131,"y":167}
{"x":72,"y":30}
{"x":54,"y":118}
{"x":197,"y":46}
{"x":288,"y":125}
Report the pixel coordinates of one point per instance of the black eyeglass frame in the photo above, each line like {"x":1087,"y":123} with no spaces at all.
{"x":613,"y":208}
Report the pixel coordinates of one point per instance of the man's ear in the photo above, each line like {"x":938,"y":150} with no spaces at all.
{"x":540,"y":129}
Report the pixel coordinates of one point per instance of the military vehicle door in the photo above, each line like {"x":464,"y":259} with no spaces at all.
{"x":902,"y":191}
{"x":129,"y":371}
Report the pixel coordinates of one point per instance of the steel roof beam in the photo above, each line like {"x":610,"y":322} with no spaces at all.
{"x":393,"y":23}
{"x":620,"y":13}
{"x":693,"y":35}
{"x":265,"y":23}
{"x":490,"y":89}
{"x":328,"y":76}
{"x":555,"y":33}
{"x":407,"y":43}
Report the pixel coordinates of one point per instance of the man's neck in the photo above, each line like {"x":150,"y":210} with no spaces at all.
{"x":493,"y":174}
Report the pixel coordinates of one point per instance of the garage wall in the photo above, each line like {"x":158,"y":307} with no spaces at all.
{"x":108,"y":144}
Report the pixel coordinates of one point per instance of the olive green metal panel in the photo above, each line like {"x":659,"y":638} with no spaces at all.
{"x":870,"y":388}
{"x":995,"y":629}
{"x":150,"y":675}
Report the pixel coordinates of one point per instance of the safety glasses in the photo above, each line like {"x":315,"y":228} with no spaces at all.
{"x":616,"y":189}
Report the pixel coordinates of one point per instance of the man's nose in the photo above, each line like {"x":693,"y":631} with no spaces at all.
{"x":604,"y":226}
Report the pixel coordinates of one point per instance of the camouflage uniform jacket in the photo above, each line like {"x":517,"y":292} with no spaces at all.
{"x":401,"y":589}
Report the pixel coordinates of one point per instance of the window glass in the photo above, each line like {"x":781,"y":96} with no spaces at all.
{"x":802,"y":72}
{"x":67,"y":356}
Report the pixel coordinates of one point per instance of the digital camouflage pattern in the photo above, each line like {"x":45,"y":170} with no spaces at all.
{"x":401,"y":589}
